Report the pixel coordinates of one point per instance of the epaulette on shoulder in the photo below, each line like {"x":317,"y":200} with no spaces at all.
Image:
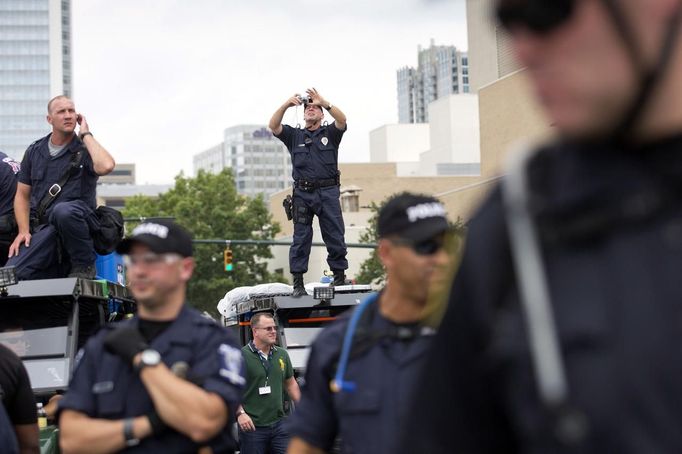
{"x":34,"y":144}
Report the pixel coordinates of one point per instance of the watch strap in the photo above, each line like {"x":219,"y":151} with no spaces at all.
{"x":329,"y":106}
{"x":82,"y":135}
{"x":128,"y":433}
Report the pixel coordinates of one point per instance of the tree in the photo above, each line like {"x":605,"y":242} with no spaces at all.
{"x":372,"y":271}
{"x":210,"y":208}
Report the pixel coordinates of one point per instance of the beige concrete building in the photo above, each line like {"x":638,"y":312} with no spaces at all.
{"x":490,"y":55}
{"x":122,"y":174}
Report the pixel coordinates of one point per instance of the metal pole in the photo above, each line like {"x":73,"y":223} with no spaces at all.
{"x":276,"y":243}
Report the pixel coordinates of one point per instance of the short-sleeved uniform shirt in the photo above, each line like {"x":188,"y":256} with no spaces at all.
{"x":103,"y":386}
{"x":16,"y":389}
{"x":385,"y":376}
{"x":314,"y":154}
{"x":40,"y":171}
{"x":265,"y":409}
{"x":8,"y":183}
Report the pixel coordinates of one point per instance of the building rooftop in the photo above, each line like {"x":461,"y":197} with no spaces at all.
{"x":130,"y":190}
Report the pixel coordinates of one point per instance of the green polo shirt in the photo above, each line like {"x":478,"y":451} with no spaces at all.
{"x":265,"y":409}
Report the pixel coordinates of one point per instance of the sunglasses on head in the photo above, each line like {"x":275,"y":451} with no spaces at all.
{"x":538,"y":16}
{"x":425,"y":247}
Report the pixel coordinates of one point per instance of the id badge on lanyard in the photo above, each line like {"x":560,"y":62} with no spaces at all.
{"x":265,"y":390}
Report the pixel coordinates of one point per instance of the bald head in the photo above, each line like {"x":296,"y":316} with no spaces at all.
{"x":52,"y":101}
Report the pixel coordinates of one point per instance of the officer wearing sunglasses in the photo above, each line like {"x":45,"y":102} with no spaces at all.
{"x":363,"y":368}
{"x":563,"y":329}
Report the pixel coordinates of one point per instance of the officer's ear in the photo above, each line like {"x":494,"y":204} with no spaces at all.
{"x":186,"y":268}
{"x":384,"y":252}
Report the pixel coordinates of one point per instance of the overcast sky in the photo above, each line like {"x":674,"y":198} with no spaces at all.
{"x":159,"y":80}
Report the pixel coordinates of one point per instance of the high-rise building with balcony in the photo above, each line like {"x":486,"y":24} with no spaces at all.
{"x":441,"y":71}
{"x":35,"y":65}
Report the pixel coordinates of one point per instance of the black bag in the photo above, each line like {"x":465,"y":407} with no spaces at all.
{"x":110,"y":231}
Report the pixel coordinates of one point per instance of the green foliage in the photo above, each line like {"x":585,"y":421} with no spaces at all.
{"x":210,"y":208}
{"x":371,"y":270}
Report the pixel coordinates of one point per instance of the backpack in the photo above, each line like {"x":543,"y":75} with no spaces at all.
{"x":110,"y":231}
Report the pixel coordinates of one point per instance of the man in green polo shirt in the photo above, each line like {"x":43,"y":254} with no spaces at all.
{"x":268,"y":373}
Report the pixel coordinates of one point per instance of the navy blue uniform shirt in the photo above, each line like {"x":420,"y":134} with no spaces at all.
{"x":103,"y":386}
{"x":40,"y":171}
{"x":8,"y":183}
{"x":367,"y":419}
{"x":611,"y":227}
{"x":314,"y":154}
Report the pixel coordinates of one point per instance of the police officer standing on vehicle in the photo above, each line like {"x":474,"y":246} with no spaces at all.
{"x":564,"y":323}
{"x":315,"y":158}
{"x":363,"y":368}
{"x":166,"y":380}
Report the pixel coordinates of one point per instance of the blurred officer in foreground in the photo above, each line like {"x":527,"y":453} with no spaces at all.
{"x":315,"y":160}
{"x":564,"y":324}
{"x":364,"y":367}
{"x":166,"y":380}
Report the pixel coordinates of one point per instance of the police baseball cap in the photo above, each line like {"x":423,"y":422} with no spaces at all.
{"x":161,"y":236}
{"x":413,"y":217}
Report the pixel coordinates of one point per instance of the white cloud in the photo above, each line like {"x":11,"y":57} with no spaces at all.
{"x":160,"y":80}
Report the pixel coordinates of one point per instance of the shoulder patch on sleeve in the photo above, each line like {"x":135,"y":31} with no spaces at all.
{"x":231,"y":364}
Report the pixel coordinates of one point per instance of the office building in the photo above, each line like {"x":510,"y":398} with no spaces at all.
{"x":441,"y":71}
{"x":35,"y":65}
{"x":260,"y":162}
{"x":490,"y":53}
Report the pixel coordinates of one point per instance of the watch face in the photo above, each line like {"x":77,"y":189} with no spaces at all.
{"x":150,"y":358}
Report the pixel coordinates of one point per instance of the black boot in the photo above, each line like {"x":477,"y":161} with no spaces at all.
{"x":299,"y":289}
{"x":339,"y":278}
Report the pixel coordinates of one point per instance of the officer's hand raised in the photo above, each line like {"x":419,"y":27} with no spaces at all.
{"x":315,"y":97}
{"x":125,"y":342}
{"x":294,"y":101}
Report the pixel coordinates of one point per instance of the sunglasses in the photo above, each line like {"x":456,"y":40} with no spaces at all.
{"x":267,"y":328}
{"x":425,"y":247}
{"x":538,"y":16}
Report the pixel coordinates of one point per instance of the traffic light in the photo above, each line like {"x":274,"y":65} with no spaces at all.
{"x":227,"y":259}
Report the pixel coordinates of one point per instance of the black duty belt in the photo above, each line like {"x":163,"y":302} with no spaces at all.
{"x":309,"y":185}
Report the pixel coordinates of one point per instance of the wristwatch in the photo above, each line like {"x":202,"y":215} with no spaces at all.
{"x":83,"y":134}
{"x":329,"y":106}
{"x":240,"y":412}
{"x":128,"y":433}
{"x":148,"y":358}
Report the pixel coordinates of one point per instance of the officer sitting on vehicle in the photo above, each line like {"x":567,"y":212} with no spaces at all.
{"x":314,"y":156}
{"x":55,"y":199}
{"x":363,"y":368}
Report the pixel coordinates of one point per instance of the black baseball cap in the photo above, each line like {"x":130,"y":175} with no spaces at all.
{"x":161,"y":236}
{"x":412,"y":216}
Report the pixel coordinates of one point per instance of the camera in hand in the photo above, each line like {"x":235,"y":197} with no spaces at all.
{"x":305,"y":99}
